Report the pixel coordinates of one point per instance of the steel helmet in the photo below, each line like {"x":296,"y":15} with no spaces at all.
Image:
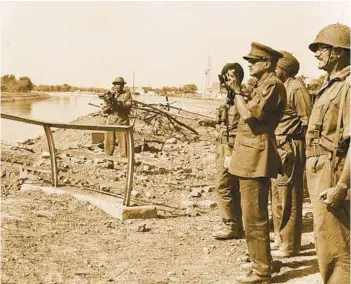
{"x":237,"y":67}
{"x":336,"y":35}
{"x":119,"y":80}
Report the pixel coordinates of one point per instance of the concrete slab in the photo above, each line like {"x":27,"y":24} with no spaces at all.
{"x":111,"y":205}
{"x":139,"y":212}
{"x":97,"y":137}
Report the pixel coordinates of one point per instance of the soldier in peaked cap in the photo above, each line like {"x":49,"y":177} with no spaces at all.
{"x":287,"y":189}
{"x":328,"y":154}
{"x":116,"y":108}
{"x":255,"y":147}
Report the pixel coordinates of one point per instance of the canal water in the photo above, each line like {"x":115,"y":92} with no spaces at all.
{"x":69,"y":106}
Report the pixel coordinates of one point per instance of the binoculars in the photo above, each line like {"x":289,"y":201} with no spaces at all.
{"x":107,"y":95}
{"x":222,"y":115}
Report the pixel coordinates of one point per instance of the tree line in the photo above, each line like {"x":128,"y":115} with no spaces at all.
{"x":9,"y":83}
{"x":186,"y":89}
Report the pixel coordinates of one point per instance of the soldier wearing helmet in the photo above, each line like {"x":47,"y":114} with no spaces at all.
{"x":287,"y":189}
{"x":116,"y":108}
{"x":328,"y":154}
{"x":255,"y":157}
{"x":227,"y":185}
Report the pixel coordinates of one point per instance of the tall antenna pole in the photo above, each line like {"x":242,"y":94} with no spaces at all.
{"x":133,"y":80}
{"x":208,"y":75}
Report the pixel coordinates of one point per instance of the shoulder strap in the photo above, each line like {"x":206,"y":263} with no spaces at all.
{"x":337,"y":133}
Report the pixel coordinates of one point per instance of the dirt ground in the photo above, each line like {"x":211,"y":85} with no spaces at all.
{"x":58,"y":239}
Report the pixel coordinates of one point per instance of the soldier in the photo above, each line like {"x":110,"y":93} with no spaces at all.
{"x":328,"y":155}
{"x":256,"y":150}
{"x":227,"y":185}
{"x":287,"y":189}
{"x":116,"y":109}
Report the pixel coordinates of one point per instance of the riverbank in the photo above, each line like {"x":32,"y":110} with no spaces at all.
{"x":58,"y":239}
{"x":18,"y":96}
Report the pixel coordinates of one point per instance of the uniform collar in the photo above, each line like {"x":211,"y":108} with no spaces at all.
{"x":341,"y":75}
{"x":288,"y":81}
{"x":265,"y":78}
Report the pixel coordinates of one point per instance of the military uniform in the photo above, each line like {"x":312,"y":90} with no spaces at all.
{"x":332,"y":225}
{"x":256,"y":150}
{"x":117,"y":111}
{"x":227,"y":185}
{"x":287,"y":189}
{"x":327,"y":145}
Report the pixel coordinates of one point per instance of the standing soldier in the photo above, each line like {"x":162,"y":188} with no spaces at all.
{"x":328,"y":155}
{"x":227,"y":185}
{"x":255,"y":155}
{"x":116,"y":109}
{"x":287,"y":189}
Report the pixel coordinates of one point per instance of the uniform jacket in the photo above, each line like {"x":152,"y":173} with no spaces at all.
{"x":255,"y":145}
{"x":326,"y":110}
{"x":297,"y":110}
{"x":227,"y":133}
{"x":118,"y":108}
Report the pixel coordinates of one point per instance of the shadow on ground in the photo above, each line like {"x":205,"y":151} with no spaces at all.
{"x":309,"y":267}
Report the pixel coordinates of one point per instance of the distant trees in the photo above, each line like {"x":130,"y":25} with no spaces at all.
{"x":67,"y":88}
{"x":190,"y":88}
{"x":173,"y":91}
{"x":9,"y":83}
{"x":25,"y":84}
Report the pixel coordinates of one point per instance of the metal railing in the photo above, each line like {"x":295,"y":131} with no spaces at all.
{"x":50,"y":139}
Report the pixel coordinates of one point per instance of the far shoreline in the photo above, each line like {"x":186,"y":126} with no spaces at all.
{"x":19,"y":96}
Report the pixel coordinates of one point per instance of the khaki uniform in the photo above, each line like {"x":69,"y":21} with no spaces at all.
{"x":331,"y":225}
{"x":287,"y":189}
{"x":117,"y":113}
{"x":256,"y":150}
{"x":227,"y":185}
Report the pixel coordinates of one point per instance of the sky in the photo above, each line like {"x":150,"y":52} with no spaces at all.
{"x":165,"y":43}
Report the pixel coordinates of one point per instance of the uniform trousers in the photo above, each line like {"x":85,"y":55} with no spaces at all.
{"x":287,"y":199}
{"x":227,"y":188}
{"x":331,"y":225}
{"x":254,"y":204}
{"x":110,"y":136}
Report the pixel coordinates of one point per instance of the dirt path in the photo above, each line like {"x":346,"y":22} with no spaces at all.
{"x":57,"y":239}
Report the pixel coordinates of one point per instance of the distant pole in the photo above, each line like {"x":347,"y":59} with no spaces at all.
{"x":208,"y":76}
{"x":133,"y":79}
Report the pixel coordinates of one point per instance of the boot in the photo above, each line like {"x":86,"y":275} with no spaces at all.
{"x":253,"y":277}
{"x":228,"y":231}
{"x":281,"y":254}
{"x":276,"y":266}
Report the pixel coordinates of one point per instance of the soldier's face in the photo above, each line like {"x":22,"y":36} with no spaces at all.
{"x":280,"y":74}
{"x":257,"y":67}
{"x":323,"y":56}
{"x":118,"y":87}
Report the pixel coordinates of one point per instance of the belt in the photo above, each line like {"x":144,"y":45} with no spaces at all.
{"x":282,"y":139}
{"x":317,"y":150}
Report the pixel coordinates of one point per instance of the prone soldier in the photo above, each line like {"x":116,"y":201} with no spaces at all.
{"x":115,"y":109}
{"x":328,"y":154}
{"x":255,"y":147}
{"x":227,"y":185}
{"x":287,"y":189}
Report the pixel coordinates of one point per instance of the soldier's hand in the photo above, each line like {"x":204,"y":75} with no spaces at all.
{"x":233,"y":81}
{"x":333,"y":196}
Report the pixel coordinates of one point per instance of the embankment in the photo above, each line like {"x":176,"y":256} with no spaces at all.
{"x":12,"y":97}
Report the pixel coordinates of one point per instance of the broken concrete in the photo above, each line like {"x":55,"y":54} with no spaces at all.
{"x":111,"y":205}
